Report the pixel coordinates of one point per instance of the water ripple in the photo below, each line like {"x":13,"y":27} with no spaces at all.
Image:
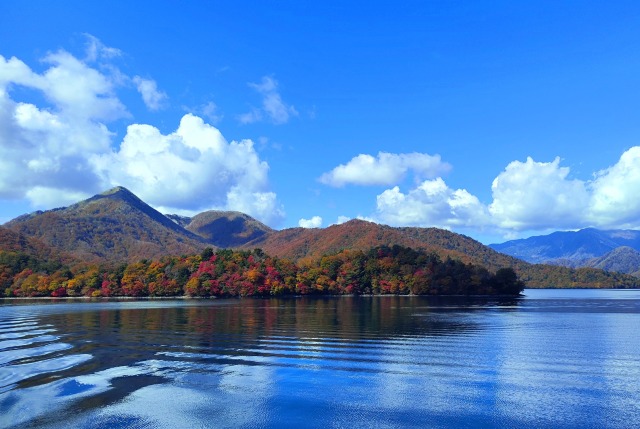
{"x":388,"y":362}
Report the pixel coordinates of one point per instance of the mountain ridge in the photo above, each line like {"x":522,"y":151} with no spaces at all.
{"x":611,"y":250}
{"x":118,"y":227}
{"x":584,"y":244}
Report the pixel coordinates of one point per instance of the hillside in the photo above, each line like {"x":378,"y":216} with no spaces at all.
{"x":298,"y":243}
{"x":301,"y":243}
{"x":621,"y":260}
{"x":223,"y":228}
{"x":113,"y":226}
{"x":11,"y":241}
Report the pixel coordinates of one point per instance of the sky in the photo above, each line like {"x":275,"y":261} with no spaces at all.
{"x":494,"y":119}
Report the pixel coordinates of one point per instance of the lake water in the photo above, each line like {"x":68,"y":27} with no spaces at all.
{"x":554,"y":358}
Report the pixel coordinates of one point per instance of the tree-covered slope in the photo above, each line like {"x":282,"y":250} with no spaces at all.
{"x":621,"y":260}
{"x":223,"y":228}
{"x":300,"y":243}
{"x":112,"y":226}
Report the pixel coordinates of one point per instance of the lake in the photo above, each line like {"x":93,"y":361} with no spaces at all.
{"x":553,"y":358}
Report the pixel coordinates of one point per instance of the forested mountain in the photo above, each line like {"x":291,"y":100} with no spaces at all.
{"x":11,"y":241}
{"x":312,"y":244}
{"x":622,"y":260}
{"x":117,"y":227}
{"x":223,"y":228}
{"x":298,"y":243}
{"x":112,"y":226}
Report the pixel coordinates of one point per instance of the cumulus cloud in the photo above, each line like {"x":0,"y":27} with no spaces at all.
{"x":148,"y":88}
{"x":61,"y":150}
{"x":432,"y":203}
{"x":46,"y":147}
{"x":193,"y":168}
{"x":385,"y":169}
{"x":538,"y":195}
{"x":526,"y":196}
{"x":76,"y":89}
{"x":273,"y":107}
{"x":47,"y":196}
{"x":314,"y":222}
{"x":614,"y":193}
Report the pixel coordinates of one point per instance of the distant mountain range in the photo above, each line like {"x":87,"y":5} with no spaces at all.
{"x":611,"y":250}
{"x":117,"y":227}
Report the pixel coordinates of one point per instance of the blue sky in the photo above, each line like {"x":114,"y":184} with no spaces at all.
{"x":493,"y":119}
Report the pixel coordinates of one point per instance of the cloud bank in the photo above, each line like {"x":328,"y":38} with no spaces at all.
{"x":59,"y":149}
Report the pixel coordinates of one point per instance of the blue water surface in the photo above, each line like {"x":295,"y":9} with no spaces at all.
{"x":553,"y":358}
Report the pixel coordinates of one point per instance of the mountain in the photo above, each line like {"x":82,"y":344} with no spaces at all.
{"x":14,"y":245}
{"x":113,"y":226}
{"x":116,"y":227}
{"x":569,"y":247}
{"x":298,"y":243}
{"x":301,"y":243}
{"x":223,"y":228}
{"x":11,"y":241}
{"x":623,"y":259}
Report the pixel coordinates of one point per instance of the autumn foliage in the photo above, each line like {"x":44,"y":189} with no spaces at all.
{"x":229,"y":273}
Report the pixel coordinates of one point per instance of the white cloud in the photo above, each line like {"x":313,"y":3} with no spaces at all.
{"x":193,"y":168}
{"x":47,"y":147}
{"x":273,"y":106}
{"x":314,"y":222}
{"x":95,"y":49}
{"x":250,"y":117}
{"x":538,"y":195}
{"x":61,"y":150}
{"x":80,"y":91}
{"x":386,"y":169}
{"x":342,"y":219}
{"x":48,"y":197}
{"x":211,"y":111}
{"x":527,"y":196}
{"x":432,"y":203}
{"x":148,"y":88}
{"x":614,"y":201}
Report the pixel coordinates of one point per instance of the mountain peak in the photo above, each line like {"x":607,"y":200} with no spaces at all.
{"x":119,"y":193}
{"x":115,"y":225}
{"x":226,"y":228}
{"x":116,"y":190}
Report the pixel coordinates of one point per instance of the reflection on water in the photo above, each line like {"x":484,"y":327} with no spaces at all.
{"x":561,"y":359}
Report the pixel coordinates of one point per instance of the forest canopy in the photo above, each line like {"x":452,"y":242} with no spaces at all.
{"x":240,"y":273}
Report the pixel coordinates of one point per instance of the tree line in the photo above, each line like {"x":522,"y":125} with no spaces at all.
{"x":240,"y":273}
